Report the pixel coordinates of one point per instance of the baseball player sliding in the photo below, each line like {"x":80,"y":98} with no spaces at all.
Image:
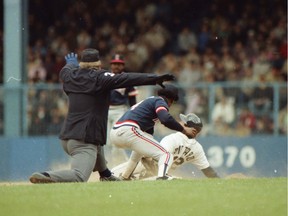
{"x":183,"y":150}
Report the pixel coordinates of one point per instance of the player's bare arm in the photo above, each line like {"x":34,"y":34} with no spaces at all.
{"x":210,"y":172}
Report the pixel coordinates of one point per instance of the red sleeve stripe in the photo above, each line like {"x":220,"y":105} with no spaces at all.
{"x":160,"y":108}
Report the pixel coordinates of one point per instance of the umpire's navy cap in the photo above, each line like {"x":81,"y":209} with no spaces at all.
{"x":117,"y":58}
{"x":90,"y":55}
{"x":191,"y":120}
{"x":170,"y":91}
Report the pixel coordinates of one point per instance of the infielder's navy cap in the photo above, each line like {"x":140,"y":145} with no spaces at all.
{"x":191,"y":120}
{"x":170,"y":91}
{"x":90,"y":55}
{"x":117,"y":58}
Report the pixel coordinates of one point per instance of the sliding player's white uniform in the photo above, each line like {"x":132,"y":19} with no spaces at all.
{"x":183,"y":150}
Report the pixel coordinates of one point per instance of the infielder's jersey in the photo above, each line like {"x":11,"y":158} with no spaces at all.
{"x":146,"y":114}
{"x":185,"y":150}
{"x":120,"y":96}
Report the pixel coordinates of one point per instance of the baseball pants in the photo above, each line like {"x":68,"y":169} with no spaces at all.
{"x":118,"y":155}
{"x":142,"y":144}
{"x":85,"y":158}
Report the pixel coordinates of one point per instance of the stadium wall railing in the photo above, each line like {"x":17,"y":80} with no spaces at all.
{"x":36,"y":147}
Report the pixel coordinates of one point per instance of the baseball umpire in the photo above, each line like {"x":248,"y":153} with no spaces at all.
{"x":134,"y":130}
{"x":120,"y":100}
{"x":84,"y":130}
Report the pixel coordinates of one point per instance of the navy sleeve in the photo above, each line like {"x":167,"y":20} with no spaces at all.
{"x":162,"y":111}
{"x":65,"y":71}
{"x":150,"y":131}
{"x":166,"y":119}
{"x":132,"y":92}
{"x":132,"y":100}
{"x":113,"y":81}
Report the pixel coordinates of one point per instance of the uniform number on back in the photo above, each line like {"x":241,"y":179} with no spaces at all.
{"x":109,"y":74}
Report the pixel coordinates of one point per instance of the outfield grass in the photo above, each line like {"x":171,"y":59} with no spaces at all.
{"x":262,"y":196}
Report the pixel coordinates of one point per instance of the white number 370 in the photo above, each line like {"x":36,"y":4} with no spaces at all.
{"x":217,"y":156}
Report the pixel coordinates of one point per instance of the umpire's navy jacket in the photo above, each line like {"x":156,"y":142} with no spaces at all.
{"x":88,"y":91}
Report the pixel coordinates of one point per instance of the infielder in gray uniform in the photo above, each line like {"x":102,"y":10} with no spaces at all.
{"x":134,"y":130}
{"x":84,"y":131}
{"x":183,"y":150}
{"x":120,"y":101}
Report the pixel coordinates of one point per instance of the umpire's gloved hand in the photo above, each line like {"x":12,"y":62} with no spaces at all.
{"x":71,"y":58}
{"x":165,"y":77}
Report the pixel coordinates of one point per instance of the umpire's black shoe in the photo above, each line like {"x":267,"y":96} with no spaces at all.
{"x":110,"y":178}
{"x":40,"y":178}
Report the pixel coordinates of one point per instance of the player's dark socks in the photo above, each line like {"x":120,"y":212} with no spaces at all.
{"x":166,"y":177}
{"x":105,"y":173}
{"x":165,"y":168}
{"x":162,"y":178}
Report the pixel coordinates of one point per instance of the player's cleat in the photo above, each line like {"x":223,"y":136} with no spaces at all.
{"x":40,"y":178}
{"x":165,"y":178}
{"x":110,"y":178}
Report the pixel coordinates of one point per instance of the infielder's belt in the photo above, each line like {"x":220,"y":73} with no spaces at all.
{"x":126,"y":123}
